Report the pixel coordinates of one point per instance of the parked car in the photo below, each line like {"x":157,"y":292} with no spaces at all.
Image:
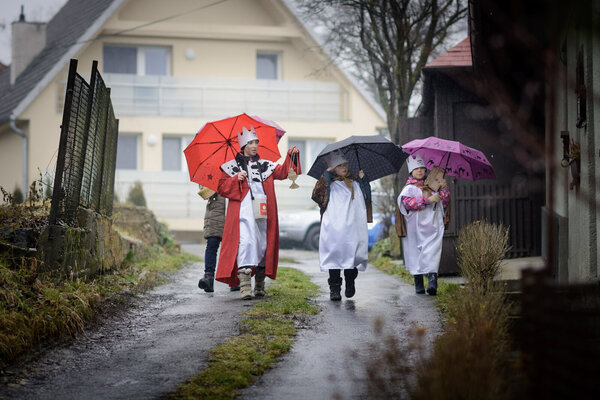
{"x":303,"y":227}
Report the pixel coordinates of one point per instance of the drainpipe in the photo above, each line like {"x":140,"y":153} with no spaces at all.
{"x":20,"y":132}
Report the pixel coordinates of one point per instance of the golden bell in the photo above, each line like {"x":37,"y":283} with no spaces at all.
{"x":292,"y":175}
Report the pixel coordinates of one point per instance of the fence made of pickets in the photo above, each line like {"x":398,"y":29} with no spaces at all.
{"x":85,"y":166}
{"x":510,"y":205}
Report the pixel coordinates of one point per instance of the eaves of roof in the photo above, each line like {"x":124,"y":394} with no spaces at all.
{"x":70,"y":29}
{"x":363,"y":92}
{"x":457,"y":56}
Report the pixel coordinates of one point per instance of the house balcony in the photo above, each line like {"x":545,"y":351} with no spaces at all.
{"x":168,"y":96}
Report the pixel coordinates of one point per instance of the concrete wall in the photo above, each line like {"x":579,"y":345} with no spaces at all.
{"x":578,"y":203}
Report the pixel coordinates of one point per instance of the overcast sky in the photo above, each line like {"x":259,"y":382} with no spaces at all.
{"x":35,"y":11}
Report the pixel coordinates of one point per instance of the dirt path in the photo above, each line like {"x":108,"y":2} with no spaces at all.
{"x":146,"y":351}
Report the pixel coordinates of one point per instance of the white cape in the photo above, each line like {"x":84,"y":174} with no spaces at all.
{"x":253,"y":232}
{"x":343,"y":243}
{"x":422,"y":246}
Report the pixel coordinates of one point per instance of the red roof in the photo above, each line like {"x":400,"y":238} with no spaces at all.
{"x":458,"y":56}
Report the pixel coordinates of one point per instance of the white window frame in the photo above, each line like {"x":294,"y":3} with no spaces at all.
{"x":141,"y":57}
{"x":278,"y":58}
{"x":184,"y":140}
{"x":137,"y":137}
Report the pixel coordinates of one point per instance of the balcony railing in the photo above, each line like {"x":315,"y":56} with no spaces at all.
{"x":169,"y":96}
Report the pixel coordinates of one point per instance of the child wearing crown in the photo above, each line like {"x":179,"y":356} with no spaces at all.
{"x":424,"y":222}
{"x":251,"y":236}
{"x":345,"y":203}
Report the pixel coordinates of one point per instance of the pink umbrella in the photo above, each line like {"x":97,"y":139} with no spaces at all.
{"x":278,"y":129}
{"x":453,"y":157}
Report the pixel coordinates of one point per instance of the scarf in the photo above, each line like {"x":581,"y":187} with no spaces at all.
{"x":348,"y":181}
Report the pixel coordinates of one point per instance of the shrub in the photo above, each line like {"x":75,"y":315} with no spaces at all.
{"x":136,"y":195}
{"x":17,"y":196}
{"x":480,"y":249}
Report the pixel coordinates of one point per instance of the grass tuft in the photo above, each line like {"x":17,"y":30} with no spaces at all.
{"x":265,"y":335}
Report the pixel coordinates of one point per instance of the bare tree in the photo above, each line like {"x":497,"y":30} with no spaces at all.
{"x":385,"y":42}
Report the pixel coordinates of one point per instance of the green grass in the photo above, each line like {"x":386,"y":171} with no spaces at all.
{"x":35,"y":310}
{"x":265,"y":335}
{"x":287,"y":260}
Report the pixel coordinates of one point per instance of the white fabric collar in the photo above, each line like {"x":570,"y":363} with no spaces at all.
{"x":266,"y":167}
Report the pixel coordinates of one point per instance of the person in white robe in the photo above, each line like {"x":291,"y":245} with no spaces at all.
{"x":345,"y":203}
{"x":424,"y":224}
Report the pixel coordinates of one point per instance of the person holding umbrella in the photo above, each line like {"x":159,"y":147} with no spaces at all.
{"x":345,"y":203}
{"x":424,"y":221}
{"x":251,"y":236}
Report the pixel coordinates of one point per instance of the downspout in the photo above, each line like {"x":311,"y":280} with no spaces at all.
{"x":20,"y":132}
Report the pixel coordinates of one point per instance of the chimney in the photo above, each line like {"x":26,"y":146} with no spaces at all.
{"x":28,"y":39}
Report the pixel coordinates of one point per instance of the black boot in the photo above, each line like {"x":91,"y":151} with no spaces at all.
{"x":207,"y":283}
{"x":335,"y":287}
{"x":419,"y":286}
{"x":350,"y":275}
{"x":432,"y":285}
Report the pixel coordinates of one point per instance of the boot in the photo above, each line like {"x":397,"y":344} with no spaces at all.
{"x":335,"y":287}
{"x":350,"y":275}
{"x":432,"y":284}
{"x":244,"y":275}
{"x":259,"y":282}
{"x":207,"y":283}
{"x":419,"y":286}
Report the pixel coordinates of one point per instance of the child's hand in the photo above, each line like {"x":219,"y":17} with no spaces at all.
{"x":443,"y":184}
{"x":361,"y":174}
{"x":241,"y":175}
{"x":434,"y":198}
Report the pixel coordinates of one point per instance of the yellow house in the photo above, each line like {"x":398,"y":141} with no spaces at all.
{"x":172,"y":66}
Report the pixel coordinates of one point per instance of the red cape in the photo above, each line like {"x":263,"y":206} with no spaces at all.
{"x":231,"y":188}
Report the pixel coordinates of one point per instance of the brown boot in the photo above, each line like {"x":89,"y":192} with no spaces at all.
{"x":244,"y":275}
{"x":259,"y":282}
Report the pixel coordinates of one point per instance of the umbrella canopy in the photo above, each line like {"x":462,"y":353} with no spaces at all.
{"x":216,"y":143}
{"x":279,"y":131}
{"x":453,"y":157}
{"x":375,"y":155}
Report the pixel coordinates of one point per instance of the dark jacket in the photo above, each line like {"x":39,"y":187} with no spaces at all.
{"x":214,"y":217}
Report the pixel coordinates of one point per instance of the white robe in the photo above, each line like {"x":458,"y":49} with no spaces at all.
{"x":343,"y":243}
{"x":253,"y":232}
{"x":422,"y":246}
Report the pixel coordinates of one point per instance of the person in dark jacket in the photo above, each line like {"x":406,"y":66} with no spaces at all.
{"x":214,"y":222}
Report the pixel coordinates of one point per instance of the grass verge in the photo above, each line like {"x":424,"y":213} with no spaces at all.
{"x":265,"y":335}
{"x":35,"y":310}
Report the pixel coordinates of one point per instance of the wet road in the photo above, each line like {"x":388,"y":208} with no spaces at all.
{"x":143,"y":353}
{"x":320,"y":365}
{"x":162,"y":340}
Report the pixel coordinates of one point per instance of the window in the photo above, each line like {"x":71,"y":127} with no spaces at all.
{"x":127,"y":151}
{"x":267,"y":65}
{"x":309,"y":150}
{"x":141,"y":60}
{"x":172,"y":152}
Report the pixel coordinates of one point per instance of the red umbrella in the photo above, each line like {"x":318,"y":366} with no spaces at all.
{"x":216,"y":143}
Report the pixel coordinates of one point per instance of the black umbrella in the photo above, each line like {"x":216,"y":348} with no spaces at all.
{"x":375,"y":155}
